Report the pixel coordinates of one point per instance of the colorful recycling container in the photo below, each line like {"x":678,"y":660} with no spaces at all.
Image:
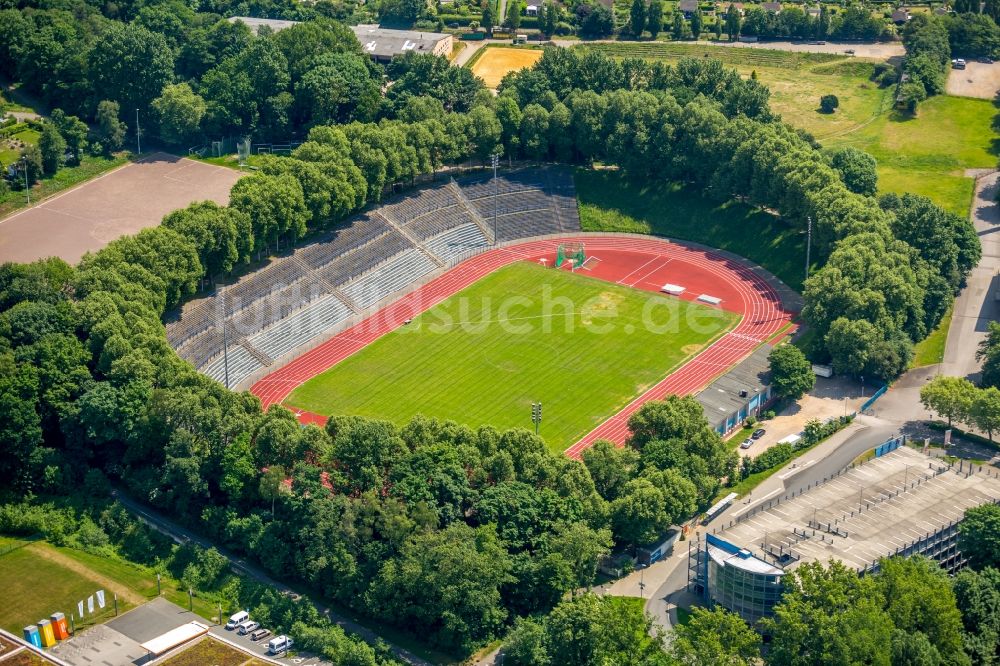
{"x":59,"y":627}
{"x":48,"y":636}
{"x":32,"y":636}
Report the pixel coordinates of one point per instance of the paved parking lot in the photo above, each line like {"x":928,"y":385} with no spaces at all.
{"x":976,"y":80}
{"x":117,"y":643}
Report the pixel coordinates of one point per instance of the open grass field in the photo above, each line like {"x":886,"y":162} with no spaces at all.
{"x":924,"y":154}
{"x":609,"y":202}
{"x":47,"y":579}
{"x":494,"y":63}
{"x":43,"y":585}
{"x":522,"y":334}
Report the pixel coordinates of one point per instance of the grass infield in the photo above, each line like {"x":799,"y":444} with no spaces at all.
{"x":520,"y":335}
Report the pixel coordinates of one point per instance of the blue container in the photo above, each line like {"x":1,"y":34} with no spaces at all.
{"x":32,"y":636}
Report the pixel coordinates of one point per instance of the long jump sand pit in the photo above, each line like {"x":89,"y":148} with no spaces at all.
{"x":123,"y":201}
{"x":496,"y":62}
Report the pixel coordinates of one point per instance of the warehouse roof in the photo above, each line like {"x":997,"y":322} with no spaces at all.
{"x":868,"y":512}
{"x":385,"y":43}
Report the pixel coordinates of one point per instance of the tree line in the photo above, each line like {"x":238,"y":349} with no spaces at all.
{"x":449,"y":531}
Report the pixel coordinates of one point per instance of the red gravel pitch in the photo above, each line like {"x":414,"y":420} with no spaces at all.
{"x":643,"y":263}
{"x":122,"y":201}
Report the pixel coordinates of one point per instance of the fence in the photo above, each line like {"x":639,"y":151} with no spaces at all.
{"x":875,"y":396}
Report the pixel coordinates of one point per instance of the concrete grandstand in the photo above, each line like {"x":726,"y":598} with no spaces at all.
{"x":901,"y":502}
{"x":321,"y":288}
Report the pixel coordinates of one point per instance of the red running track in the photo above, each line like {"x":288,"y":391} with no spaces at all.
{"x":642,"y":263}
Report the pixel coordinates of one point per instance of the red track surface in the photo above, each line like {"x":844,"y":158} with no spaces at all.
{"x":642,"y":263}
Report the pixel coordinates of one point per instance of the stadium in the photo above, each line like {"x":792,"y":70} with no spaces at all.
{"x":345,"y":324}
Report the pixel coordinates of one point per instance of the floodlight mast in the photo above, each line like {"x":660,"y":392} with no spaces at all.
{"x":138,"y":146}
{"x":495,"y":159}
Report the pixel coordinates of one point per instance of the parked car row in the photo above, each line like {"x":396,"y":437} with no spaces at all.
{"x":242,"y":624}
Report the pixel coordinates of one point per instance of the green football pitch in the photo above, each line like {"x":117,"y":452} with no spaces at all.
{"x":582,"y":347}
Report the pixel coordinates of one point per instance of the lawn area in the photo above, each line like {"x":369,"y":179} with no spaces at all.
{"x":46,"y":579}
{"x":924,"y":154}
{"x":930,"y":350}
{"x":520,"y":335}
{"x":609,"y":202}
{"x":10,"y":147}
{"x":927,"y":153}
{"x":492,"y":64}
{"x":42,"y":586}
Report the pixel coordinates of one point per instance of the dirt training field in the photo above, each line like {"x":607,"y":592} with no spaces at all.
{"x":494,"y":63}
{"x":123,"y":201}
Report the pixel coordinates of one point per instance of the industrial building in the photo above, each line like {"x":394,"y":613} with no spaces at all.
{"x":381,"y":44}
{"x":743,"y":391}
{"x":902,"y":502}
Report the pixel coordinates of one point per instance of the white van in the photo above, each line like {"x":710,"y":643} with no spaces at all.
{"x":248,"y":626}
{"x":279,"y":644}
{"x":237,"y":619}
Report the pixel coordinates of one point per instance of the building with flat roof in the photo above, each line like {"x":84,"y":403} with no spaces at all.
{"x":255,"y":24}
{"x":382,"y":44}
{"x":741,"y":392}
{"x":901,"y":502}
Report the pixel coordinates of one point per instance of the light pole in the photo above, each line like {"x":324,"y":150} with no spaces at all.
{"x":809,"y":238}
{"x":495,"y":159}
{"x":138,"y":147}
{"x":536,"y":414}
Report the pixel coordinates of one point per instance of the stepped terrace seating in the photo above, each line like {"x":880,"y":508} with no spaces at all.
{"x":301,"y":327}
{"x":343,"y":270}
{"x":458,"y":242}
{"x":299,"y":298}
{"x":419,"y":203}
{"x":365,"y":228}
{"x":438,"y":222}
{"x":241,"y":364}
{"x":390,"y":277}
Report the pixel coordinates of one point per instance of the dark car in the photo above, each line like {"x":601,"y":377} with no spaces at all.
{"x":986,"y":60}
{"x":758,"y":433}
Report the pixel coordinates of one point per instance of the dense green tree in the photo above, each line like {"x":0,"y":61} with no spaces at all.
{"x":858,"y":170}
{"x":919,"y":599}
{"x":654,"y":21}
{"x":715,"y":637}
{"x":985,"y":410}
{"x":446,"y":585}
{"x":733,"y":22}
{"x":111,"y":130}
{"x":637,"y":17}
{"x":610,"y":467}
{"x":979,"y":536}
{"x":829,"y":616}
{"x":130,"y":65}
{"x":949,"y":397}
{"x":989,"y":353}
{"x":696,"y":23}
{"x":275,"y":205}
{"x":534,"y":138}
{"x":791,"y":372}
{"x":978,"y":597}
{"x":222,"y":236}
{"x":20,"y":429}
{"x":74,"y":131}
{"x":53,"y":146}
{"x":31,"y":164}
{"x":179,"y":112}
